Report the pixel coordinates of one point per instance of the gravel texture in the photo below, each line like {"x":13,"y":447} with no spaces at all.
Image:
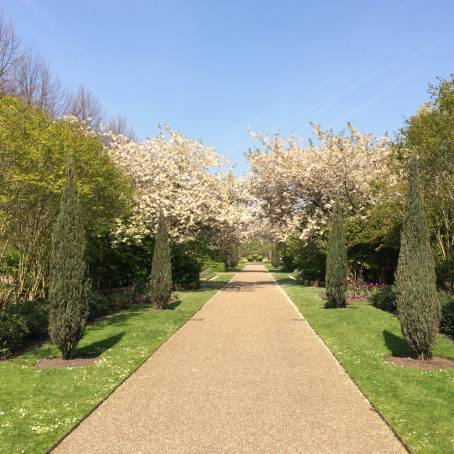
{"x":247,"y":375}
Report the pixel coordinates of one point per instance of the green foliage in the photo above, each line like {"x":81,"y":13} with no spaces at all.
{"x":384,"y":299}
{"x":209,"y":264}
{"x":336,"y":262}
{"x":161,"y":269}
{"x":33,"y":152}
{"x":113,"y":265}
{"x":418,"y":306}
{"x":430,"y":132}
{"x":13,"y":332}
{"x":21,"y":323}
{"x":186,"y":267}
{"x":67,"y":294}
{"x":447,"y":315}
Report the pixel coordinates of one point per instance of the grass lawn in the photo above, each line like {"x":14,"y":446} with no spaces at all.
{"x":38,"y":406}
{"x":418,"y":405}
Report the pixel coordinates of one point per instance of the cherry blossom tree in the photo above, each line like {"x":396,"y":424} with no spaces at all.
{"x":295,"y":183}
{"x":192,"y":184}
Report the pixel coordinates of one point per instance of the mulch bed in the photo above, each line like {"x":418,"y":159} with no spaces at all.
{"x":59,"y":363}
{"x":426,"y":364}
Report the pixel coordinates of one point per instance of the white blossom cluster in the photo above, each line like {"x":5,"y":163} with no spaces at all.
{"x":296,"y":185}
{"x":189,"y":181}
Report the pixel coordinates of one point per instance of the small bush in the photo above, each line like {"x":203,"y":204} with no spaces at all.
{"x":259,"y":258}
{"x":36,"y":315}
{"x":19,"y":323}
{"x":384,"y":299}
{"x":13,"y":332}
{"x":209,"y":264}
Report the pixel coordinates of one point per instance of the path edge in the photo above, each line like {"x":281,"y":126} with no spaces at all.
{"x":67,"y":434}
{"x":299,"y":313}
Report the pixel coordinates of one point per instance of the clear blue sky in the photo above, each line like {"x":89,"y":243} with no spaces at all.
{"x":211,"y":68}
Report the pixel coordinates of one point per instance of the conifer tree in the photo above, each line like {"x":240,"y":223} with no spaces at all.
{"x":418,"y":306}
{"x":67,"y":293}
{"x":161,"y":270}
{"x":336,"y":262}
{"x":275,"y":262}
{"x":231,"y":255}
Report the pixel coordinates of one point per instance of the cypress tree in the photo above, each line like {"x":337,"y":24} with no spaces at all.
{"x":418,"y":306}
{"x":67,"y":294}
{"x":161,"y":270}
{"x":275,"y":261}
{"x":231,"y":255}
{"x":336,"y":262}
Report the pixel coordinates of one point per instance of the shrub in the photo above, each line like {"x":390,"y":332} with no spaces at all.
{"x":447,"y":315}
{"x":288,"y":263}
{"x":418,"y":305}
{"x":209,"y":264}
{"x":161,"y":269}
{"x":384,"y":299}
{"x":185,"y":268}
{"x":19,"y":323}
{"x":13,"y":332}
{"x":259,"y":258}
{"x":67,"y":295}
{"x":336,"y":262}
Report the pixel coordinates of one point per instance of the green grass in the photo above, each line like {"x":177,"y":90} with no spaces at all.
{"x":37,"y":407}
{"x":417,"y":404}
{"x":206,"y":275}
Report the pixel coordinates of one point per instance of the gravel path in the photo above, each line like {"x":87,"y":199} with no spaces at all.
{"x":246,"y":375}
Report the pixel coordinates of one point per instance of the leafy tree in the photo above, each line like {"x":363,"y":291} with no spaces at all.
{"x":67,"y":294}
{"x":161,"y":268}
{"x":418,"y":306}
{"x":430,"y":132}
{"x":336,"y":262}
{"x":33,"y":152}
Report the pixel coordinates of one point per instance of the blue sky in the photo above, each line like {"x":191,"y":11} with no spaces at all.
{"x":212,"y":68}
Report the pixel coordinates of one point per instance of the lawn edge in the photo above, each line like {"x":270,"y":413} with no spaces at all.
{"x":60,"y":440}
{"x":357,"y":386}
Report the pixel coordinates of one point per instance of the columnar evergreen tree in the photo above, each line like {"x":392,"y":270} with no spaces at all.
{"x":275,"y":262}
{"x":418,"y":306}
{"x":336,"y":262}
{"x":231,"y":255}
{"x":161,"y":270}
{"x":67,"y":294}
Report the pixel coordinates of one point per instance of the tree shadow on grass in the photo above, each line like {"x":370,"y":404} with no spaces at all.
{"x":397,"y":344}
{"x":119,"y":319}
{"x":99,"y":347}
